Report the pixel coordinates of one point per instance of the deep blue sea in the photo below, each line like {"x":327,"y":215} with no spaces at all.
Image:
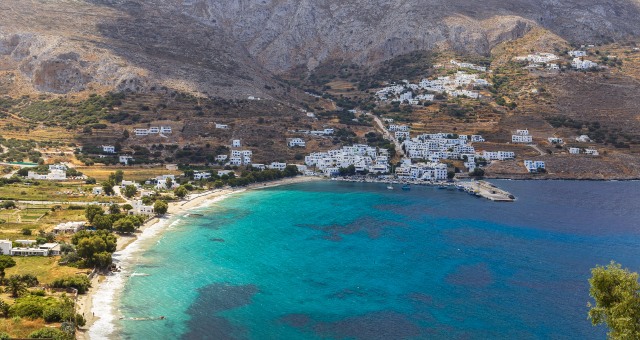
{"x":333,"y":260}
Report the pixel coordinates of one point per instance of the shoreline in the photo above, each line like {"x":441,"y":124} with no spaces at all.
{"x":87,"y":304}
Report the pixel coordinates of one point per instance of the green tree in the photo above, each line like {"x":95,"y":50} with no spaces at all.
{"x":107,"y":187}
{"x":114,"y":209}
{"x":92,"y":211}
{"x":102,"y":222}
{"x":180,"y":191}
{"x":4,"y":336}
{"x":119,"y":176}
{"x":4,"y":309}
{"x":95,"y":248}
{"x":124,"y":225}
{"x":477,"y":172}
{"x":127,"y":207}
{"x":130,"y":191}
{"x":5,"y":262}
{"x":160,"y":207}
{"x":16,"y":287}
{"x":451,"y":174}
{"x":168,"y":183}
{"x":616,"y":292}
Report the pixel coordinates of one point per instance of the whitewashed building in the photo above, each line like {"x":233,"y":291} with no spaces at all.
{"x":296,"y":142}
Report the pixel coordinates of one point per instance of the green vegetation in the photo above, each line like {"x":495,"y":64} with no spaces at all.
{"x":94,"y":248}
{"x":79,"y":282}
{"x":616,"y":292}
{"x":595,"y":131}
{"x":61,"y":112}
{"x":160,"y":207}
{"x":19,"y":150}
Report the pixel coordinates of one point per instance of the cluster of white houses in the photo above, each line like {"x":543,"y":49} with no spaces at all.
{"x":468,"y":65}
{"x":361,"y":156}
{"x":440,"y":146}
{"x":539,"y":59}
{"x":154,"y":130}
{"x":460,"y":84}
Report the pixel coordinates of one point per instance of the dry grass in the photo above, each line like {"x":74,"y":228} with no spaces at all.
{"x":20,"y":328}
{"x":45,"y":268}
{"x":102,"y":173}
{"x":53,"y":191}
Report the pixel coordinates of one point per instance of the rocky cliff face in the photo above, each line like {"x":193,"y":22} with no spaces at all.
{"x":283,"y":33}
{"x":230,"y":48}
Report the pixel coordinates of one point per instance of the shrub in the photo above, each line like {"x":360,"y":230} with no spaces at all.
{"x":50,"y":333}
{"x":79,"y":282}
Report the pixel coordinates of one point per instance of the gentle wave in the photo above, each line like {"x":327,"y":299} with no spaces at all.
{"x":104,"y":304}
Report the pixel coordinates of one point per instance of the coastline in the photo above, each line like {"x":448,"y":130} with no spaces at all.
{"x":93,"y":305}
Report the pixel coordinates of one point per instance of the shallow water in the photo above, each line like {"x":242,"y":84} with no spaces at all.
{"x":352,"y":260}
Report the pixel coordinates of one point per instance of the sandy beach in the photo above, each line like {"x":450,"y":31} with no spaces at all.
{"x":153,"y":228}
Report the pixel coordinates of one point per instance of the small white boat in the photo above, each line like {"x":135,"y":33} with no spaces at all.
{"x":390,"y":187}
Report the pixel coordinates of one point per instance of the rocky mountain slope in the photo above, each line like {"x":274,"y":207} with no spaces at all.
{"x":230,"y":48}
{"x":72,"y":46}
{"x":282,"y":34}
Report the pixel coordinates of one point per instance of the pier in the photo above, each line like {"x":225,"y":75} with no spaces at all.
{"x":477,"y":188}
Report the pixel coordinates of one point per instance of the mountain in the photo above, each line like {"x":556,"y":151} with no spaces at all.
{"x":232,"y":48}
{"x":283,"y":34}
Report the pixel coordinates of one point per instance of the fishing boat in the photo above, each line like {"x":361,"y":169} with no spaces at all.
{"x":390,"y":187}
{"x":406,"y":187}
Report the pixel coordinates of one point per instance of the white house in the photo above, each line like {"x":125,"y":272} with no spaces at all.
{"x":5,"y":247}
{"x":53,"y":175}
{"x":154,"y":130}
{"x":200,"y":175}
{"x":592,"y":152}
{"x":140,"y":209}
{"x":521,"y":139}
{"x":141,"y":132}
{"x":477,"y":138}
{"x":574,"y":151}
{"x":125,"y":159}
{"x":222,"y":126}
{"x":69,"y":227}
{"x":401,"y":135}
{"x":534,"y":166}
{"x":221,"y":158}
{"x":277,"y":166}
{"x":577,"y":54}
{"x":236,"y":143}
{"x":165,"y":130}
{"x":46,"y":249}
{"x":554,"y":140}
{"x":583,"y":139}
{"x":583,"y":64}
{"x":296,"y":142}
{"x":18,"y":251}
{"x":62,"y":167}
{"x":97,"y":191}
{"x":108,"y":149}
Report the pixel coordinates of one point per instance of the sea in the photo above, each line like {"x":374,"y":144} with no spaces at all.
{"x":340,"y":260}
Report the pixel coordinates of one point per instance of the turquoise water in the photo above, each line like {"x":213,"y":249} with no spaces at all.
{"x":349,"y":260}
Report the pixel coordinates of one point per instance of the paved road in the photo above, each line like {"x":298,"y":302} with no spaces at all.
{"x":537,"y":148}
{"x":388,"y":135}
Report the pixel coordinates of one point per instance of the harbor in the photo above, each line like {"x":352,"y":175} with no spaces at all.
{"x":478,"y":188}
